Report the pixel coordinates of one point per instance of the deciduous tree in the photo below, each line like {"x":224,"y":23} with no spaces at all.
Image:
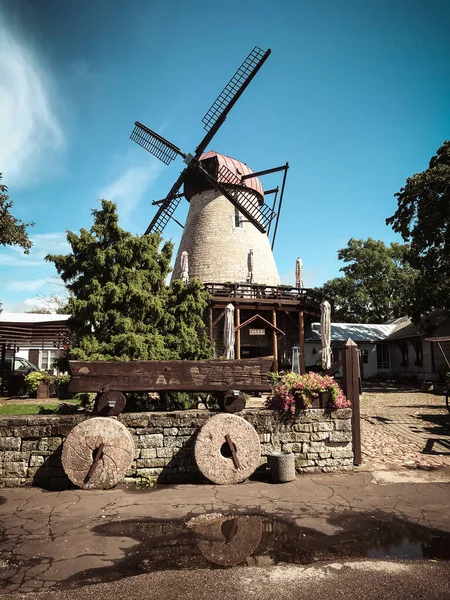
{"x":423,"y":220}
{"x":376,"y":285}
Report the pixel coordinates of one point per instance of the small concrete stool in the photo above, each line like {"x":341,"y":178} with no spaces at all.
{"x":282,"y":467}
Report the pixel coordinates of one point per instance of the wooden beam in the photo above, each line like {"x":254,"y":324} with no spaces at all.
{"x":171,"y":375}
{"x":248,"y":321}
{"x":238,"y":334}
{"x":275,"y":340}
{"x":219,"y":318}
{"x":301,"y":324}
{"x":351,"y":388}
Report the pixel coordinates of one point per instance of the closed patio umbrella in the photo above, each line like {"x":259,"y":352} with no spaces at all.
{"x":250,"y":266}
{"x":325,"y":333}
{"x":299,"y":273}
{"x":228,"y":332}
{"x":185,"y":267}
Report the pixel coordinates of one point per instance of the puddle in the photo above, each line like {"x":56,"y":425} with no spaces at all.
{"x":214,"y":541}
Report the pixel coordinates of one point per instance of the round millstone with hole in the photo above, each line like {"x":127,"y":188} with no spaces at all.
{"x":214,"y":456}
{"x":97,"y":453}
{"x":229,"y":541}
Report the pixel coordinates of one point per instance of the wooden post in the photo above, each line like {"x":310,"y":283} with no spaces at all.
{"x":351,"y":388}
{"x":301,"y":324}
{"x":238,"y":333}
{"x":3,"y":369}
{"x":275,"y":340}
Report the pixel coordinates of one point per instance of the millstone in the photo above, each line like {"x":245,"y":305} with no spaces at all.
{"x":228,"y":541}
{"x":214,"y":457}
{"x":105,"y":438}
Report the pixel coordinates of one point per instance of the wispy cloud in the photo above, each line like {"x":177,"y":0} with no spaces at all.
{"x":43,"y":244}
{"x":129,"y":187}
{"x":31,"y":137}
{"x":30,"y":285}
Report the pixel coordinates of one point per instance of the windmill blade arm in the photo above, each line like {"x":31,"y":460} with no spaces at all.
{"x":230,"y":94}
{"x":155,"y":144}
{"x":242,"y":199}
{"x":168,"y":207}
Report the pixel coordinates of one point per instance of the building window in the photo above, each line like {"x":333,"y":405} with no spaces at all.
{"x":238,"y":219}
{"x":365,"y":356}
{"x":383,"y":359}
{"x":47,"y":359}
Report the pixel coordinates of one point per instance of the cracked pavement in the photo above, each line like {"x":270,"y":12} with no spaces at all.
{"x":49,"y":540}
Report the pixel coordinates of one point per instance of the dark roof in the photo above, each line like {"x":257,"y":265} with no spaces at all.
{"x":426,"y":327}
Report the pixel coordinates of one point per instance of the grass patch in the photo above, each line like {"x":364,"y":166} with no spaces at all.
{"x":34,"y":409}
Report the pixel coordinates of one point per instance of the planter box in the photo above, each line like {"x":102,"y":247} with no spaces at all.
{"x":43,"y":390}
{"x":322,"y":401}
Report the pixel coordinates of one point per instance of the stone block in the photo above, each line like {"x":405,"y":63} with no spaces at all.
{"x":18,"y":469}
{"x":175,"y":442}
{"x":50,"y":443}
{"x":165,"y":452}
{"x":148,"y":472}
{"x":264,"y":438}
{"x":12,"y":456}
{"x":314,"y":447}
{"x":303,"y":462}
{"x":325,"y":454}
{"x":269,"y":448}
{"x":319,"y":436}
{"x":170,"y":431}
{"x":150,"y":441}
{"x":36,"y":460}
{"x":340,"y":436}
{"x":303,"y":427}
{"x":9,"y":482}
{"x":346,"y":452}
{"x":28,"y":445}
{"x":143,"y":463}
{"x":292,"y":447}
{"x":342,"y":413}
{"x":148,"y":453}
{"x":343,"y":425}
{"x":328,"y":426}
{"x":187,"y":430}
{"x":10,"y":443}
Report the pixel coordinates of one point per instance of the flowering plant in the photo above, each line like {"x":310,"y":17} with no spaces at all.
{"x":293,"y":392}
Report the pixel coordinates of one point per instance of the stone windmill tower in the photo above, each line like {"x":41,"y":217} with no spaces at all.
{"x":219,"y":240}
{"x":226,"y":231}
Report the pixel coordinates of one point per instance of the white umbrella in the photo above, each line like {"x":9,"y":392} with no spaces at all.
{"x":250,"y":266}
{"x":299,"y":273}
{"x":185,"y":267}
{"x":325,"y":333}
{"x":228,"y":332}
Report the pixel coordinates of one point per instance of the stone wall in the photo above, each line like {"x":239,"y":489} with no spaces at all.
{"x":30,"y":446}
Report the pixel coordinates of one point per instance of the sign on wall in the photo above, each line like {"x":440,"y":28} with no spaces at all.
{"x":257,"y":331}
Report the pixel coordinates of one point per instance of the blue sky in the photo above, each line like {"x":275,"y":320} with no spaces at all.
{"x":355,"y":96}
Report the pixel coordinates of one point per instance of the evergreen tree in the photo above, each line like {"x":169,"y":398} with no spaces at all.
{"x":120,"y":306}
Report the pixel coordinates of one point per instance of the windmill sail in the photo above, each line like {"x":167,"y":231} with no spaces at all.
{"x":234,"y":88}
{"x":244,"y":200}
{"x":154,"y":143}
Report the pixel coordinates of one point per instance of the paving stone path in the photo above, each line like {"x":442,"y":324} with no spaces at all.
{"x":404,"y":429}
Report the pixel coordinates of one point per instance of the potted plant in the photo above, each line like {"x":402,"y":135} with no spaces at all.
{"x":62,"y":382}
{"x":292,"y":392}
{"x":38,"y":384}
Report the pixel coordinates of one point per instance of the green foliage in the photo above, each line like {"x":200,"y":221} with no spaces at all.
{"x":423,"y":219}
{"x":146,"y":481}
{"x":13,"y":232}
{"x":376,"y":285}
{"x":33,"y":379}
{"x":120,"y":306}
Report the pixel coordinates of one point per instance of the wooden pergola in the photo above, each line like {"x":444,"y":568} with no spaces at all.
{"x":293,"y":304}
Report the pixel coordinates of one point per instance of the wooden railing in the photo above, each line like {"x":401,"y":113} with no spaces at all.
{"x":256,"y":292}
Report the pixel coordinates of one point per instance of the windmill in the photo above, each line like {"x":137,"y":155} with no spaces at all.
{"x":231,"y":180}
